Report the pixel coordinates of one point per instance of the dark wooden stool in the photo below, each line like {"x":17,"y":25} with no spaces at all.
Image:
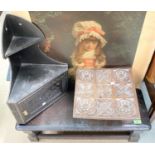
{"x":57,"y":122}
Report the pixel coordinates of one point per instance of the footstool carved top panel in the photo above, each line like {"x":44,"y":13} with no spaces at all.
{"x":105,"y":94}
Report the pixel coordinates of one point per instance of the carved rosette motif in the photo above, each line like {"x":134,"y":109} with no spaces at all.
{"x":86,"y":106}
{"x":85,"y":75}
{"x":125,"y":107}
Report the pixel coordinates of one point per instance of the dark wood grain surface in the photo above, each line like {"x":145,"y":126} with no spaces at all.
{"x":59,"y":117}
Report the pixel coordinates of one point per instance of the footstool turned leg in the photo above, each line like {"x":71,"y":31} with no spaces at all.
{"x":32,"y":136}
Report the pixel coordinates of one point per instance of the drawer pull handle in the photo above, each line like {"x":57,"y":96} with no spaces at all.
{"x":25,"y":113}
{"x":43,"y":103}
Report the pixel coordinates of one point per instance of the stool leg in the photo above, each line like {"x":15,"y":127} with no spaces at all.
{"x":134,"y":136}
{"x":32,"y":136}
